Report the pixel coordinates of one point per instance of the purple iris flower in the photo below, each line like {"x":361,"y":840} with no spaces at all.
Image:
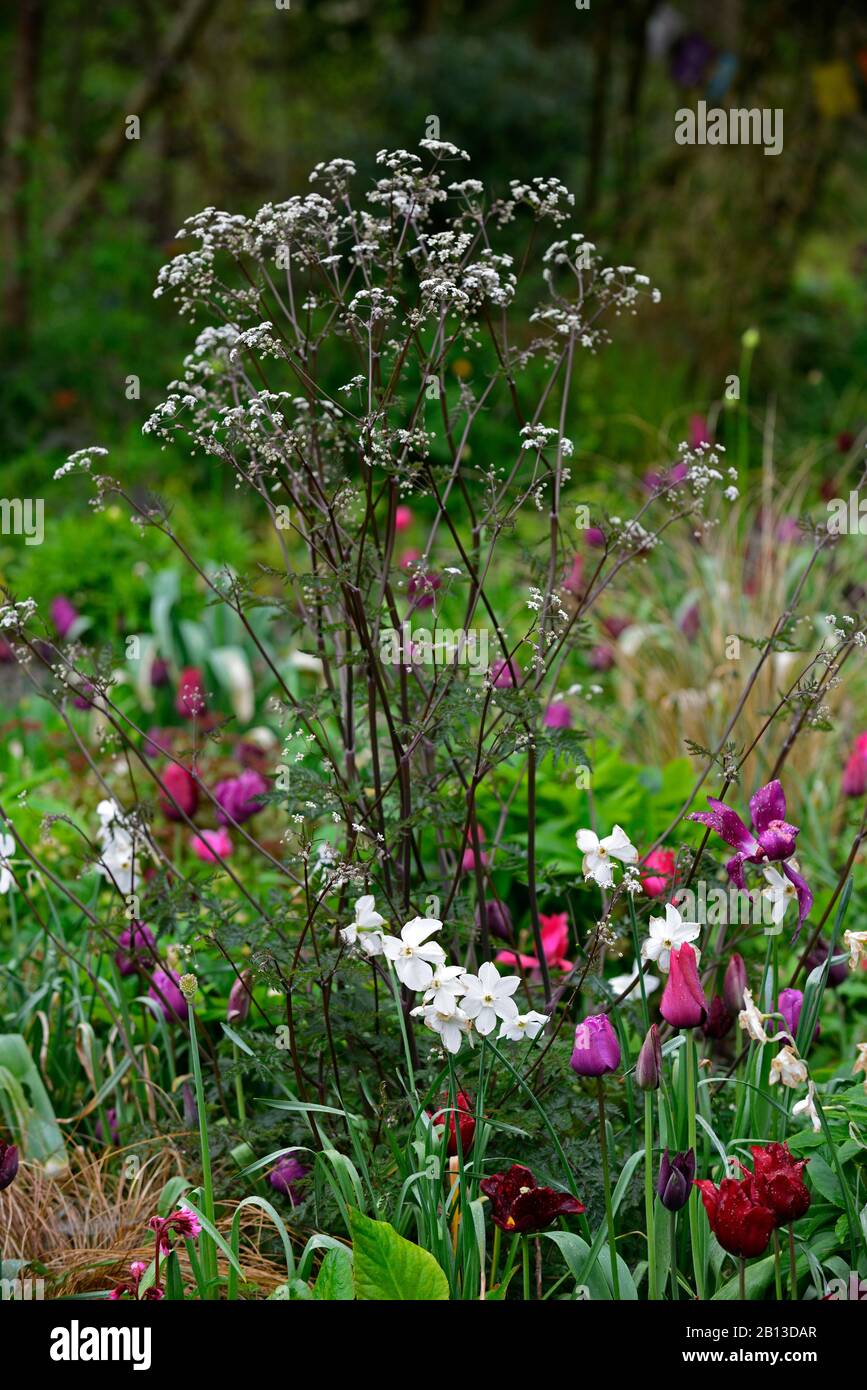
{"x":773,"y":838}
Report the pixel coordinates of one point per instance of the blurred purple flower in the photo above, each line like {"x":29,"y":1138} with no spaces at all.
{"x":238,"y":797}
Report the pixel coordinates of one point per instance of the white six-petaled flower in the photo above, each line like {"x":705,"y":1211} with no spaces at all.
{"x":780,"y":892}
{"x":598,"y":854}
{"x":527,"y":1025}
{"x":666,"y":933}
{"x":7,"y":849}
{"x":364,"y":931}
{"x":488,"y":998}
{"x":445,"y":987}
{"x":452,"y":1026}
{"x":412,"y":954}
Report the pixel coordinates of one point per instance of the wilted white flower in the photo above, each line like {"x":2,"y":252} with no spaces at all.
{"x":788,"y":1068}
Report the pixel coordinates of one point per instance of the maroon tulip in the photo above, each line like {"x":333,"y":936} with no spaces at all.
{"x":8,"y":1164}
{"x":181,"y":789}
{"x":674,"y":1183}
{"x":601,"y":658}
{"x":466,"y":1126}
{"x":719,"y":1021}
{"x":164,"y":989}
{"x":683,"y":1003}
{"x":596,"y":1050}
{"x":837,"y":975}
{"x":740,"y":1222}
{"x":778,"y":1182}
{"x":190,"y":698}
{"x":421,"y":589}
{"x":734,"y":984}
{"x":690,"y":623}
{"x":499,"y":919}
{"x":518,"y":1205}
{"x":136,"y":948}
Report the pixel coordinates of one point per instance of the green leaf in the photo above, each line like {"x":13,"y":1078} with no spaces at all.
{"x":388,"y":1268}
{"x":334,"y":1281}
{"x":825,"y":1180}
{"x":27,"y":1108}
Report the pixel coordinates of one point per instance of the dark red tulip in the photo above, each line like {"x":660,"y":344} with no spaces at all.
{"x":466,"y":1126}
{"x":181,"y":787}
{"x":499,"y":919}
{"x":778,"y":1182}
{"x":719,"y":1021}
{"x":674,"y":1184}
{"x":518,"y":1205}
{"x":683,"y":1003}
{"x":741,"y":1223}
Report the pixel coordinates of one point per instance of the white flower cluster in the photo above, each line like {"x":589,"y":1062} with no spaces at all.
{"x":121,"y":848}
{"x":455,"y":1004}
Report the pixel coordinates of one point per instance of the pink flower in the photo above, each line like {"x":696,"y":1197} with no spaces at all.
{"x":555,"y":941}
{"x":573,"y":583}
{"x":239,"y":798}
{"x":698,"y":432}
{"x":190,"y":697}
{"x":683,"y":1002}
{"x":503,"y":674}
{"x":557,"y":716}
{"x":209,"y":844}
{"x":602,"y":658}
{"x":63,"y":615}
{"x":855,"y":771}
{"x":593,"y":536}
{"x":182,"y":794}
{"x":664,"y":860}
{"x":402,"y":518}
{"x":468,"y":862}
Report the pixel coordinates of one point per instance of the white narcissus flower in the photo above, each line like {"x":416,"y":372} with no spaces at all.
{"x":856,"y":944}
{"x":488,"y":998}
{"x":780,"y":892}
{"x":7,"y":849}
{"x":445,"y":987}
{"x":861,"y":1062}
{"x":598,"y":854}
{"x":807,"y":1107}
{"x":413,"y":955}
{"x":527,"y":1025}
{"x":789,"y":1068}
{"x":452,"y":1025}
{"x":364,"y":930}
{"x":665,"y":933}
{"x":620,"y":983}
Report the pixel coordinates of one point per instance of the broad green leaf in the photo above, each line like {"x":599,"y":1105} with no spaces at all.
{"x":334,"y":1281}
{"x":388,"y":1268}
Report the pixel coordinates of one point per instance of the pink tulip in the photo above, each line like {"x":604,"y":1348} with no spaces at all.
{"x":555,"y":941}
{"x":209,"y":845}
{"x":656,"y":884}
{"x":683,"y":1002}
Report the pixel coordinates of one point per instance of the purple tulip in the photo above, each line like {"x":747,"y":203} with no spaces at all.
{"x":596,"y":1050}
{"x":164,"y":989}
{"x":557,"y":716}
{"x":136,"y":948}
{"x":789,"y":1004}
{"x":8,"y":1164}
{"x":674,"y":1183}
{"x":774,"y":838}
{"x":719,"y":1021}
{"x":238,"y":797}
{"x":285,"y":1176}
{"x":683,"y":1004}
{"x":239,"y":998}
{"x":63,"y":615}
{"x":837,"y":975}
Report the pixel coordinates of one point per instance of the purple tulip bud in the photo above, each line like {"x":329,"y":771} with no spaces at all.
{"x":596,"y":1050}
{"x":674,"y":1183}
{"x":649,"y":1065}
{"x":734,"y":984}
{"x":837,"y":975}
{"x":789,"y":1004}
{"x":499,"y":919}
{"x":8,"y":1164}
{"x":239,"y":998}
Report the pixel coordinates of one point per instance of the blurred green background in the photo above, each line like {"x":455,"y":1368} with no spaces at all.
{"x":237,"y":99}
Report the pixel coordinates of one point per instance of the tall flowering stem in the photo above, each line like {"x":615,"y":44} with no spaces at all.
{"x":649,"y":1196}
{"x":694,"y":1217}
{"x":606,"y":1183}
{"x":208,"y":1249}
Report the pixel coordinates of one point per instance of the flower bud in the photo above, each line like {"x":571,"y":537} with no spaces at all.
{"x":499,"y":919}
{"x":596,"y":1049}
{"x":683,"y":1004}
{"x":719,"y":1021}
{"x":649,"y":1064}
{"x":674,"y":1183}
{"x":734,"y":984}
{"x":239,"y":998}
